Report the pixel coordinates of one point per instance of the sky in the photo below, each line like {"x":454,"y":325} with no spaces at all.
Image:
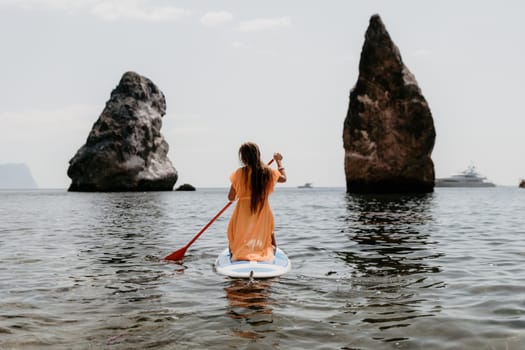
{"x":276,"y":72}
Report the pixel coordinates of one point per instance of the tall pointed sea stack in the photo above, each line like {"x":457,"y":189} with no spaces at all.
{"x":388,"y":132}
{"x":125,"y":150}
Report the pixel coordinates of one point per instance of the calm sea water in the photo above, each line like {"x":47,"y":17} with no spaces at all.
{"x":438,"y":271}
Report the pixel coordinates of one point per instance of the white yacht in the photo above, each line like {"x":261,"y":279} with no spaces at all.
{"x":467,"y":178}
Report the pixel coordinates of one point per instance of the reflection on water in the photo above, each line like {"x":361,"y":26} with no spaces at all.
{"x":250,"y":303}
{"x":392,"y":234}
{"x":123,"y":225}
{"x":391,"y":258}
{"x":438,"y":271}
{"x":118,"y":274}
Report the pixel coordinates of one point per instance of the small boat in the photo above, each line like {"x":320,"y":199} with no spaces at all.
{"x":252,"y":269}
{"x":467,"y":178}
{"x":306,"y":185}
{"x":522,"y":183}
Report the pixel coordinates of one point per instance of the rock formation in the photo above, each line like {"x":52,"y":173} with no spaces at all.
{"x":16,"y":176}
{"x":388,"y":132}
{"x":185,"y":187}
{"x":125,"y":150}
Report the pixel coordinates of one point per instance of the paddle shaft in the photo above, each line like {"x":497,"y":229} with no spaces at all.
{"x":208,"y":224}
{"x":179,"y":254}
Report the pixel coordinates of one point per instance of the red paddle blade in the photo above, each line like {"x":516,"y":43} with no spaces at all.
{"x":177,"y":255}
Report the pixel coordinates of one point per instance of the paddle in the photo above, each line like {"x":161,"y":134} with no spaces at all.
{"x":178,"y":255}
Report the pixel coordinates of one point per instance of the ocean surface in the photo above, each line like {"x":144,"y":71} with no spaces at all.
{"x":439,"y":271}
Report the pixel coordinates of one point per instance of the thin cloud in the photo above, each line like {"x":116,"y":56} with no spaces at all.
{"x":136,"y":10}
{"x":240,"y":45}
{"x":422,"y":52}
{"x":45,"y":4}
{"x":185,"y":124}
{"x":108,"y":10}
{"x":261,"y":24}
{"x":192,"y":131}
{"x":237,"y":45}
{"x":69,"y":116}
{"x":212,"y":19}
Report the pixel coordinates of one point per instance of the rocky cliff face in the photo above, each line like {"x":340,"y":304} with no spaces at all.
{"x":388,"y":132}
{"x":125,"y":150}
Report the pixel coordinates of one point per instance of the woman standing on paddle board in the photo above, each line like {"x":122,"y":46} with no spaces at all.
{"x":250,"y":231}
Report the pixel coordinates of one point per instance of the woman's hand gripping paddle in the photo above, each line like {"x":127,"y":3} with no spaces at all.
{"x":178,"y":255}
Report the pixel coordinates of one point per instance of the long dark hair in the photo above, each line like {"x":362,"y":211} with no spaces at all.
{"x":250,"y":155}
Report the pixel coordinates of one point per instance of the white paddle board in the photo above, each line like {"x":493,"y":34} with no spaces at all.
{"x":256,"y":269}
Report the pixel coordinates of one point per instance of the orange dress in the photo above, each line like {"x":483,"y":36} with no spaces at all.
{"x":250,"y":235}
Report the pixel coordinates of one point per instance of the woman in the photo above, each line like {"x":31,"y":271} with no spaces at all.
{"x":250,"y":231}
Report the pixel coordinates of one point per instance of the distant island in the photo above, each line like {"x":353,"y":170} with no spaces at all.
{"x":16,"y":176}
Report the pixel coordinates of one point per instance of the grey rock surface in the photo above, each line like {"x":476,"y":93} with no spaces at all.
{"x":388,"y":133}
{"x":125,"y":150}
{"x":186,"y":187}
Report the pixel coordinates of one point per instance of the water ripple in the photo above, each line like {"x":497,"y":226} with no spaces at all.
{"x":437,"y":271}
